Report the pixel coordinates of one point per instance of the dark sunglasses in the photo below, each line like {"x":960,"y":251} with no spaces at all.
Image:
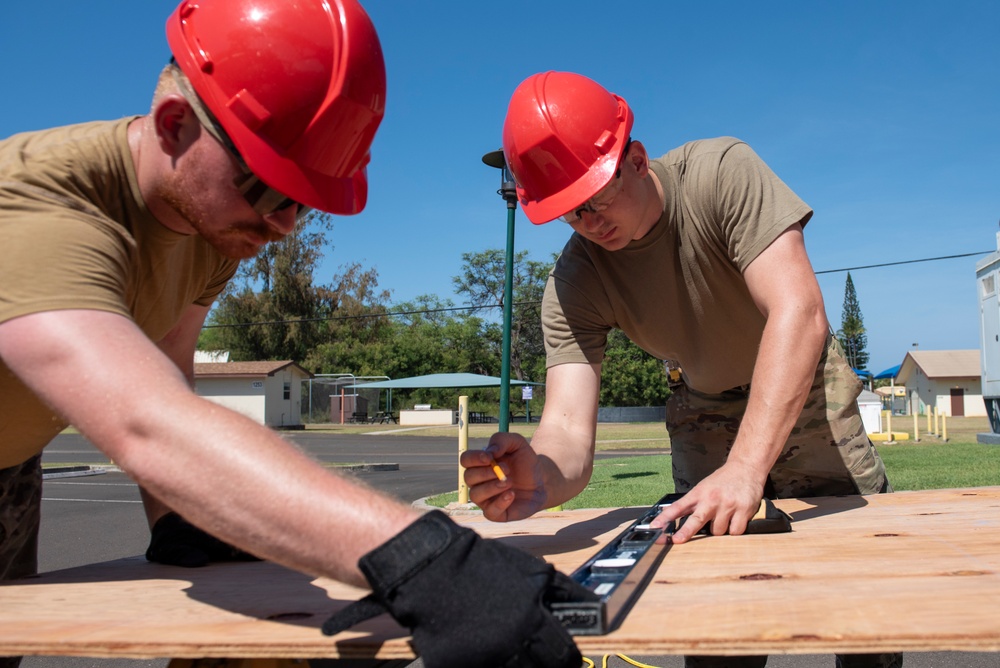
{"x":263,"y":198}
{"x":601,"y":200}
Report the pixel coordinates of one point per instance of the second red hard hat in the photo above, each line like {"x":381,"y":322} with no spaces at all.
{"x":562,"y":138}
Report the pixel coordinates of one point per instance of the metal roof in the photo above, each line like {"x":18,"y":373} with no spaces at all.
{"x":247,"y":369}
{"x":941,"y":364}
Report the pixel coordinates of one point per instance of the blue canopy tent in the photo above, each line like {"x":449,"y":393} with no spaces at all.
{"x":865,"y":376}
{"x":442,"y":380}
{"x":891,"y":372}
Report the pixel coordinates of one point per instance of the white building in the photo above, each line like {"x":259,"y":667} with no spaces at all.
{"x":988,"y":277}
{"x":267,"y":392}
{"x":870,"y":406}
{"x":949,"y":380}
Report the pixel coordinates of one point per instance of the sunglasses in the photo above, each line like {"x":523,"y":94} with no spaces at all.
{"x":264,"y":199}
{"x":604,"y":198}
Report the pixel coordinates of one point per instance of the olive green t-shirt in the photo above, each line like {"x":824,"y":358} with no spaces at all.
{"x":678,"y":292}
{"x":75,"y":233}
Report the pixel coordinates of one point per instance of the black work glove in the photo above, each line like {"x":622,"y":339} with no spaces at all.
{"x":176,"y":542}
{"x":468,"y":601}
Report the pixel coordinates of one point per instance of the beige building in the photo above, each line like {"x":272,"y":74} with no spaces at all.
{"x":949,"y":380}
{"x":267,"y":392}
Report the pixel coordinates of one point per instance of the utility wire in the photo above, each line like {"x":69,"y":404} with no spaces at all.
{"x":893,"y":264}
{"x":390,"y":314}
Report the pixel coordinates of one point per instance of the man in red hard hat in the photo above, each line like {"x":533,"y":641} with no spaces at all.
{"x":119,"y":235}
{"x":698,"y":256}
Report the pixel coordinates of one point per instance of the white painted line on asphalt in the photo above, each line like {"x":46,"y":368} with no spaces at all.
{"x":91,"y":484}
{"x":49,"y":498}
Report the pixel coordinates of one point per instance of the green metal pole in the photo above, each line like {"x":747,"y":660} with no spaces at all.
{"x":508,"y":298}
{"x":508,"y":190}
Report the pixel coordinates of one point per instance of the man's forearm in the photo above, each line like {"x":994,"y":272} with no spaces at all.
{"x":784,"y":373}
{"x":250,"y":488}
{"x":565,"y":463}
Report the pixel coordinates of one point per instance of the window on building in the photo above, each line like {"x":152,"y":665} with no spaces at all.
{"x":288,"y":391}
{"x":989,"y":286}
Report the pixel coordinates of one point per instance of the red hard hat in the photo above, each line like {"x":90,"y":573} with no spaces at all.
{"x":299,"y":87}
{"x":562,"y":138}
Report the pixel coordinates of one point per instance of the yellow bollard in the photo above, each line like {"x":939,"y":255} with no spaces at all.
{"x":929,"y":430}
{"x":937,"y":422}
{"x":916,"y":429}
{"x":463,"y":445}
{"x":944,"y":426}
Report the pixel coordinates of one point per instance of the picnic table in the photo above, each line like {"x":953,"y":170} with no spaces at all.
{"x":384,"y":417}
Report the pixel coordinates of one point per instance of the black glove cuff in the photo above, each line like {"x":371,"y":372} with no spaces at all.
{"x":410,"y":551}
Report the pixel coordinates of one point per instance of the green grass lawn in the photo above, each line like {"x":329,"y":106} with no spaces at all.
{"x":928,"y":464}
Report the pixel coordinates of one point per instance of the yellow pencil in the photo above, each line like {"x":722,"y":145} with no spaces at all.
{"x":499,"y":471}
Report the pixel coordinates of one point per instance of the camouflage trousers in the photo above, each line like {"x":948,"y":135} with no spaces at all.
{"x":828,"y":453}
{"x":20,"y":516}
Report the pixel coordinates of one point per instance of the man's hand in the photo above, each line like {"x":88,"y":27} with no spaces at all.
{"x":468,"y":601}
{"x":176,"y":542}
{"x":725,"y":500}
{"x":516,"y":498}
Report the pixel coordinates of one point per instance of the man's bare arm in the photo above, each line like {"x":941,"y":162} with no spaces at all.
{"x":556,"y":465}
{"x":783,"y":285}
{"x":178,"y":345}
{"x":223,"y":472}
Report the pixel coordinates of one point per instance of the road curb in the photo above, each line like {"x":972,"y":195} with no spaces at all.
{"x":51,"y":472}
{"x":450,"y":509}
{"x":366,"y":467}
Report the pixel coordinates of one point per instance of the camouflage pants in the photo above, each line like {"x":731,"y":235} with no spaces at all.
{"x":20,"y":516}
{"x":828,"y":453}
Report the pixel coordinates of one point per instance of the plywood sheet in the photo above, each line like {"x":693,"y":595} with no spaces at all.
{"x":911,"y":571}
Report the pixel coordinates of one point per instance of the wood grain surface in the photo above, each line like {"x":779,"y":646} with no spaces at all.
{"x":911,"y":571}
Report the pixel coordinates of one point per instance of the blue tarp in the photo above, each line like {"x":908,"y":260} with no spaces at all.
{"x":891,"y":372}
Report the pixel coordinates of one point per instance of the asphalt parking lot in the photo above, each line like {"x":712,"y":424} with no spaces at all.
{"x":93,"y":518}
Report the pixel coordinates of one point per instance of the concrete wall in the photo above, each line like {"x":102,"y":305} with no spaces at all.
{"x":283,"y":412}
{"x":426,"y":417}
{"x":243,"y":395}
{"x":632,"y":414}
{"x":936,"y":392}
{"x":261,"y":399}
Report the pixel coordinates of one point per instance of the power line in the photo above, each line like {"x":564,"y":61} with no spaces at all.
{"x":392,"y":314}
{"x":893,"y":264}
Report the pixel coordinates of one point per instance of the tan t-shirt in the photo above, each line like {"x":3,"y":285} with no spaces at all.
{"x":75,"y":234}
{"x":678,"y":292}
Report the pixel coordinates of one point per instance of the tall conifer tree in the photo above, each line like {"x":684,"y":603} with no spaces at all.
{"x":852,"y":328}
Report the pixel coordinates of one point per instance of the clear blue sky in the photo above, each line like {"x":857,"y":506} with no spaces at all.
{"x":883,"y":116}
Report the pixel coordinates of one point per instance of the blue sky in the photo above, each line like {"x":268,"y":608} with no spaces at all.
{"x":883,"y":116}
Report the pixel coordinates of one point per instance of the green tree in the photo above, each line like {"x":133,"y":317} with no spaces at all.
{"x":272,"y":310}
{"x":482,"y":281}
{"x":630,"y":376}
{"x":358,"y":332}
{"x":851,"y":334}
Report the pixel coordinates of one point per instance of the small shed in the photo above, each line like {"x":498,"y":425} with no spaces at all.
{"x":870,"y":407}
{"x":948,"y":380}
{"x":267,"y":392}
